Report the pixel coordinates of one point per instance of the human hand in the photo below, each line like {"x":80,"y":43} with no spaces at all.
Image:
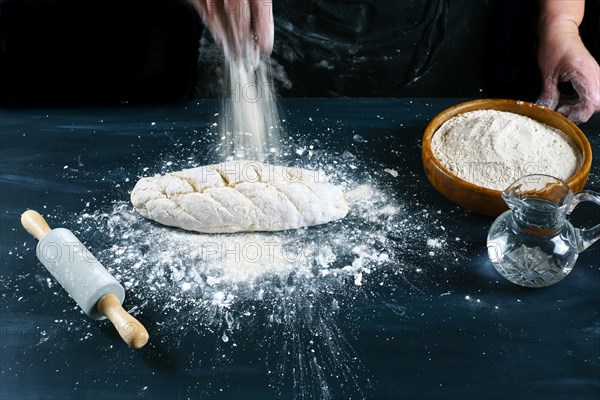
{"x":563,"y":57}
{"x":243,"y":28}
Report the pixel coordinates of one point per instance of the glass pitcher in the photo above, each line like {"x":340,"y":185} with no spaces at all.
{"x":533,"y":244}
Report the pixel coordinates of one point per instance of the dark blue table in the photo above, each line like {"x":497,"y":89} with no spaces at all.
{"x":448,"y":326}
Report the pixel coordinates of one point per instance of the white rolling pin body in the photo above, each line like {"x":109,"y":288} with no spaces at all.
{"x":77,"y":270}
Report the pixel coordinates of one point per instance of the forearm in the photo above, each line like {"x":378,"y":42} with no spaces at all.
{"x":558,"y":16}
{"x":562,"y":57}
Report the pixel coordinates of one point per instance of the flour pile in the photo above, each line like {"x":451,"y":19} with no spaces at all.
{"x":494,"y":148}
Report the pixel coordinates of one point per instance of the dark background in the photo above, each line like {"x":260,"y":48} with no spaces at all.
{"x":147,"y":50}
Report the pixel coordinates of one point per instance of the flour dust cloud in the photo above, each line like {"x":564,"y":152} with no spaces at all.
{"x":250,"y":124}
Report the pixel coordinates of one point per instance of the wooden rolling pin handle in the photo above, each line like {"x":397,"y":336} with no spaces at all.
{"x":35,"y":224}
{"x":129,"y":328}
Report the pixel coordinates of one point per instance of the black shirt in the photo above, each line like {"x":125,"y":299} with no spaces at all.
{"x":398,"y":48}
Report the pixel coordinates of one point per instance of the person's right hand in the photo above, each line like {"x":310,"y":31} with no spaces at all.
{"x":563,"y":58}
{"x":243,"y":28}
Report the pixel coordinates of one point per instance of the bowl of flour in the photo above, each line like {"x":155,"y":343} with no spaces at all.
{"x":473,"y":151}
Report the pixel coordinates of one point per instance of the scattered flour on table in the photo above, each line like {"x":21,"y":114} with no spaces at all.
{"x":494,"y":148}
{"x":392,"y":172}
{"x":436,"y":243}
{"x":279,"y":294}
{"x":178,"y":261}
{"x":210,"y":273}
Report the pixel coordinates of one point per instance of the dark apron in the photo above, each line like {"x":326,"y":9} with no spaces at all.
{"x":404,"y":48}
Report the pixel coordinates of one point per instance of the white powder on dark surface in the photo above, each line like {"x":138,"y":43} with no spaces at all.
{"x":213,"y":270}
{"x":290,"y":300}
{"x":220,"y":267}
{"x":392,"y":172}
{"x":494,"y":148}
{"x":276,"y":294}
{"x":436,"y":243}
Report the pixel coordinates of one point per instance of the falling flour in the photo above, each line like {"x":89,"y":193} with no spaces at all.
{"x":494,"y":148}
{"x":249,"y":120}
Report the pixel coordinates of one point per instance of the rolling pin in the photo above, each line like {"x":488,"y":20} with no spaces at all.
{"x":92,"y":287}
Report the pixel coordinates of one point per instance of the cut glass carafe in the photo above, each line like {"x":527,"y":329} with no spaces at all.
{"x":533,"y":244}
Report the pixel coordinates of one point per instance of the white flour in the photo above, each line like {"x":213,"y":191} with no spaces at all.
{"x":494,"y":148}
{"x":226,"y":266}
{"x":281,"y":294}
{"x":249,"y":120}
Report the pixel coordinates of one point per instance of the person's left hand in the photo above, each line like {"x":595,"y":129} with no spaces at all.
{"x":563,"y":57}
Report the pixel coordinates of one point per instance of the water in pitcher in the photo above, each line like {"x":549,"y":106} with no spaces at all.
{"x":533,"y":244}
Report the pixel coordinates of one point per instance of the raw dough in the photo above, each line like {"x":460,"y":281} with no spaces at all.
{"x":239,"y":196}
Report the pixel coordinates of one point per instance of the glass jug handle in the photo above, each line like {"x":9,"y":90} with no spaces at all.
{"x":585,"y":237}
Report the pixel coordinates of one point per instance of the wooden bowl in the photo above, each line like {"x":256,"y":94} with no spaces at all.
{"x":488,"y":201}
